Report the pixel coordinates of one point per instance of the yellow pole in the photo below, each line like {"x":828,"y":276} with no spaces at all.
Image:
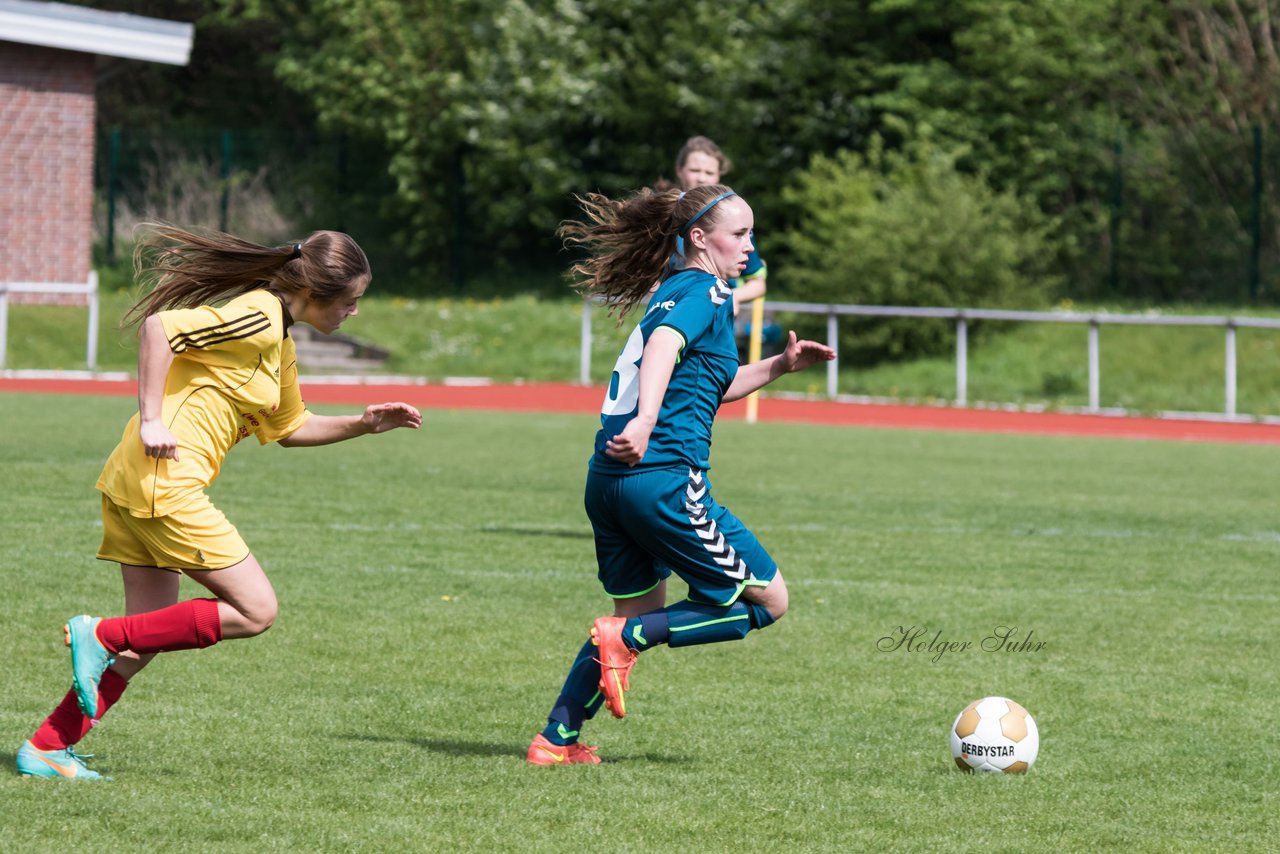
{"x":753,"y":353}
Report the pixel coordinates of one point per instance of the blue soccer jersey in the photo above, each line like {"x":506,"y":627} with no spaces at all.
{"x":699,"y":308}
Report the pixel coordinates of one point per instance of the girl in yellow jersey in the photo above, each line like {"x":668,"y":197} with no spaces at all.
{"x":216,"y":365}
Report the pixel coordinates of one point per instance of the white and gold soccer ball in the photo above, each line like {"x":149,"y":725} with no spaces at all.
{"x":995,"y":734}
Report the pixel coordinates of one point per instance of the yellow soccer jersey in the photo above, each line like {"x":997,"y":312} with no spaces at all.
{"x":234,"y":373}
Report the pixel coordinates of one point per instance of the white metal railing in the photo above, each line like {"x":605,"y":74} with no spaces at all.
{"x":89,"y":290}
{"x":962,"y":317}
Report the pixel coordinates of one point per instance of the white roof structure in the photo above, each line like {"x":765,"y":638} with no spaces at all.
{"x":85,"y":30}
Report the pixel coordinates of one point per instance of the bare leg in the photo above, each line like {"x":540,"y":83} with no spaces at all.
{"x":773,"y":597}
{"x":643,"y":604}
{"x":246,"y":601}
{"x":146,"y":588}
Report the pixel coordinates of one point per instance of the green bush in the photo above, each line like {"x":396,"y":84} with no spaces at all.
{"x":907,"y":228}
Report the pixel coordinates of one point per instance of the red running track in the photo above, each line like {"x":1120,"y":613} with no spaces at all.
{"x":549,"y":397}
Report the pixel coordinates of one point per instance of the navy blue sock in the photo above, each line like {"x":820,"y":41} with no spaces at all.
{"x":760,"y":616}
{"x":685,"y":623}
{"x":579,"y":699}
{"x":647,"y":630}
{"x":694,"y":623}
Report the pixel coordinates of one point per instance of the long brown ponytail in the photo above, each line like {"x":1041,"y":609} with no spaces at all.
{"x":178,"y":268}
{"x":630,"y":243}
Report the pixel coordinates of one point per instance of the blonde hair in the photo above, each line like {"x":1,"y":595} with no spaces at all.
{"x":180,"y":268}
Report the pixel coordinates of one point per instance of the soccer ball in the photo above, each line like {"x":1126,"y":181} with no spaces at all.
{"x":995,"y":734}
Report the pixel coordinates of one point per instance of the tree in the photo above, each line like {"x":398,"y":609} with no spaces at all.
{"x":498,"y":110}
{"x":1207,"y":82}
{"x":908,"y":228}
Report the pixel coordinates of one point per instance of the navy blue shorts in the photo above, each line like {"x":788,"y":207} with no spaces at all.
{"x":651,"y":523}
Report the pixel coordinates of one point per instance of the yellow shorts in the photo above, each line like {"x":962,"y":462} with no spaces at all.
{"x":196,"y":537}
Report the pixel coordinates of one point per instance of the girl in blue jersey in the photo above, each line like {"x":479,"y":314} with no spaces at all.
{"x":647,"y":493}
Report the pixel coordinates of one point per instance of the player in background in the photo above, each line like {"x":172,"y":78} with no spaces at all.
{"x":215,"y":366}
{"x":701,"y":162}
{"x":647,"y":492}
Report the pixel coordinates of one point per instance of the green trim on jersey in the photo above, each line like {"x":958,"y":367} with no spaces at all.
{"x":741,"y":586}
{"x":684,"y":342}
{"x":634,"y":595}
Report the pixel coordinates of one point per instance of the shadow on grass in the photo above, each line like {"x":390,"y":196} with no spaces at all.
{"x":537,"y":532}
{"x":442,"y":745}
{"x":657,"y":758}
{"x":453,"y":747}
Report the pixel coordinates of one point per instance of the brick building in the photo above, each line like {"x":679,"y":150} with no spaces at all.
{"x":51,"y":55}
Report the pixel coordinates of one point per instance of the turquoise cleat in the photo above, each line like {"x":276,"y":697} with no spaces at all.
{"x":34,"y":762}
{"x":89,"y":660}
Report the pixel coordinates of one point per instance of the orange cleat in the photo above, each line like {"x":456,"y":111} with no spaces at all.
{"x":543,"y":752}
{"x":616,"y":660}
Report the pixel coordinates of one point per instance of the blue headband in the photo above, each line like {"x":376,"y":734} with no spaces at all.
{"x":708,"y":206}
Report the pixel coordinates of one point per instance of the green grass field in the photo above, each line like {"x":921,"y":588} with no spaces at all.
{"x":1143,"y":369}
{"x":434,"y":587}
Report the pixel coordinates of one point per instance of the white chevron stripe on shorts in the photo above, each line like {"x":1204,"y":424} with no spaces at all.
{"x":712,"y":540}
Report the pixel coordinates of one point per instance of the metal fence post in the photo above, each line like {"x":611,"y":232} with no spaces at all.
{"x":833,"y":367}
{"x":1230,"y":382}
{"x":962,"y":360}
{"x":1093,"y":365}
{"x":91,"y":344}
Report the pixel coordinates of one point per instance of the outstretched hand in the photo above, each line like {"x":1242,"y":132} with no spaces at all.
{"x":382,"y":417}
{"x":799,"y":355}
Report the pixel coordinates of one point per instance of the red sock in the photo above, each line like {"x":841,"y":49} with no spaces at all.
{"x":193,"y":624}
{"x":67,"y":725}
